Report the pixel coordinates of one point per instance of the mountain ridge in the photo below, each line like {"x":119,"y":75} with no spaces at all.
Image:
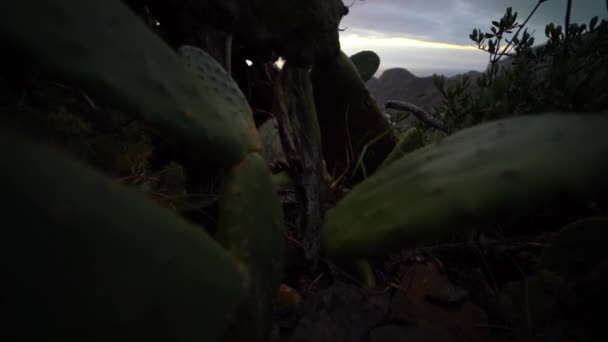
{"x":401,"y":84}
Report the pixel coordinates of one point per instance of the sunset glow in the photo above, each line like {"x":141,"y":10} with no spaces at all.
{"x":351,"y":41}
{"x":421,"y":57}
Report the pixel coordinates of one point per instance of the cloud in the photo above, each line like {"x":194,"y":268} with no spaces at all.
{"x":381,"y":23}
{"x":423,"y":58}
{"x":550,"y":11}
{"x":451,"y":21}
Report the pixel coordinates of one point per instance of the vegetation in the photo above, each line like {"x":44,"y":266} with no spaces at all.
{"x":160,"y":171}
{"x":565,"y":74}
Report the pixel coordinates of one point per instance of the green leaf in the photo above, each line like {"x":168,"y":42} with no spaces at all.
{"x":491,"y":46}
{"x":582,"y":28}
{"x":474,"y":35}
{"x":593,"y":23}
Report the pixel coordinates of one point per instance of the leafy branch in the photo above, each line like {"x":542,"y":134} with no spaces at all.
{"x":494,"y":39}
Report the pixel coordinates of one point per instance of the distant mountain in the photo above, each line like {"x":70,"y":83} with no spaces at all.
{"x":400,"y":84}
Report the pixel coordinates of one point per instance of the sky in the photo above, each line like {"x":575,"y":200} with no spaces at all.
{"x":432,"y":36}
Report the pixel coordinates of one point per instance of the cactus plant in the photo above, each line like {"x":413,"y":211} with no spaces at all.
{"x":251,"y":220}
{"x":349,"y":118}
{"x":367,"y":63}
{"x":496,"y":169}
{"x":408,"y":142}
{"x":87,"y":259}
{"x":92,"y":45}
{"x":148,"y":79}
{"x":272,"y":151}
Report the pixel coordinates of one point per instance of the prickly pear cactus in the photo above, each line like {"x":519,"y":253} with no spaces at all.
{"x":251,"y":228}
{"x":349,"y":119}
{"x":408,"y":142}
{"x":272,"y":149}
{"x":92,"y":44}
{"x":215,"y":79}
{"x":88,"y":259}
{"x":479,"y":174}
{"x":367,"y":63}
{"x":251,"y":216}
{"x":106,"y":49}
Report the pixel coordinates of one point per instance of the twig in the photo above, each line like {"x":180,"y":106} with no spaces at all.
{"x":506,"y":49}
{"x":419,"y":113}
{"x":314,"y":282}
{"x":567,"y":27}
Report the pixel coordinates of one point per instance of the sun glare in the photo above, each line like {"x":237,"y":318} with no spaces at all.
{"x":279,"y":63}
{"x":357,"y":41}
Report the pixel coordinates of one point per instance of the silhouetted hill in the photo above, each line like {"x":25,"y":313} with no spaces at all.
{"x":400,"y":84}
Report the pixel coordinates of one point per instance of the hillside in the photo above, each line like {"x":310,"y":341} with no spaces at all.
{"x":400,"y":84}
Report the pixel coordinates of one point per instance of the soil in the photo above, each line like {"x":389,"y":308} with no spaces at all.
{"x":487,"y":287}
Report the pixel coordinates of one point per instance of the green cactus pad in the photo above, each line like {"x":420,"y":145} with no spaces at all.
{"x":408,"y":142}
{"x":216,"y":80}
{"x":477,"y":175}
{"x":86,"y":259}
{"x":367,"y":63}
{"x":272,"y":150}
{"x":251,"y":228}
{"x":352,"y":126}
{"x":106,"y":49}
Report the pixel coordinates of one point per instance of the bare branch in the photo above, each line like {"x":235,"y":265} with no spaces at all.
{"x":418,"y":113}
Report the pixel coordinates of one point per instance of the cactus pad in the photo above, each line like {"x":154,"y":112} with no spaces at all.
{"x":215,"y":80}
{"x":251,"y":228}
{"x":409,"y":141}
{"x":367,"y":63}
{"x":106,"y":49}
{"x":87,"y":259}
{"x":349,"y":119}
{"x":477,"y":175}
